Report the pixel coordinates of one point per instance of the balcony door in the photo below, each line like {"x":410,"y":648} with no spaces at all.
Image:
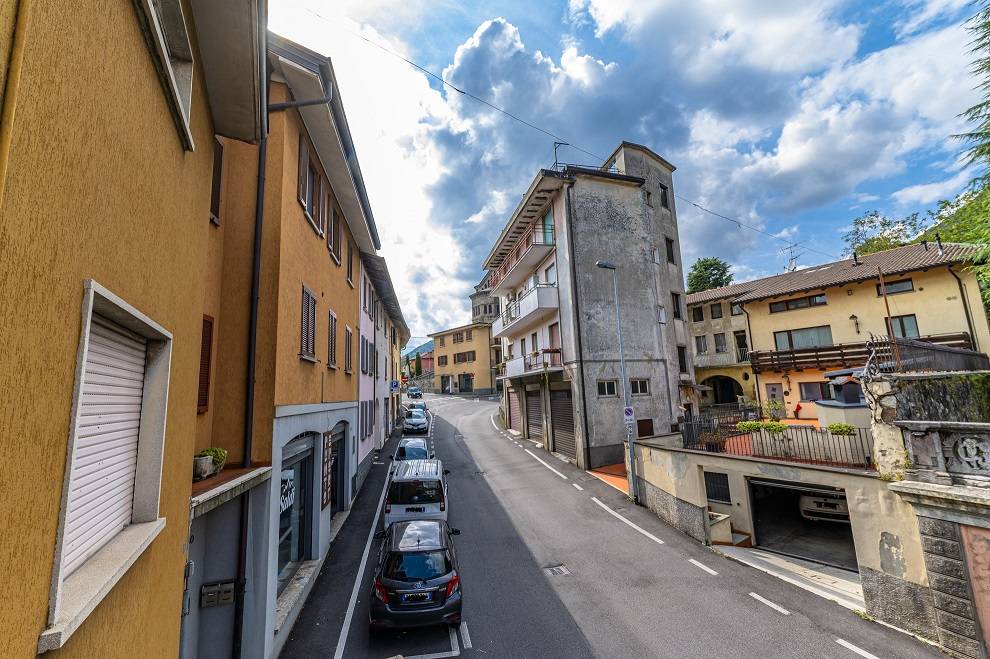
{"x":775,"y":392}
{"x":742,"y":349}
{"x":555,"y":336}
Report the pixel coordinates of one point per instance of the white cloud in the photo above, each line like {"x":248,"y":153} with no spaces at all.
{"x":926,"y":193}
{"x":924,"y":12}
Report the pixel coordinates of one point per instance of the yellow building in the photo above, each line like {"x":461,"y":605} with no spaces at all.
{"x":803,"y":324}
{"x":462,"y":360}
{"x":106,"y":154}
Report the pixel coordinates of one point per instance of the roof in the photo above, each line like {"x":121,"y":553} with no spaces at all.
{"x":417,"y":534}
{"x":527,"y":212}
{"x":413,"y":469}
{"x":382,"y":281}
{"x":895,"y":261}
{"x":461,"y":327}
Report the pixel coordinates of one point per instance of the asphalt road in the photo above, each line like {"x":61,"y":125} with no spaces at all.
{"x":634,"y":587}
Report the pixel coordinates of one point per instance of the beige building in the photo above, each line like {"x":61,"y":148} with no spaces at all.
{"x":720,"y":340}
{"x":462,"y":360}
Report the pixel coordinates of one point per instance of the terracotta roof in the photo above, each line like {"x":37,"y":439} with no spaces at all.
{"x":892,"y":262}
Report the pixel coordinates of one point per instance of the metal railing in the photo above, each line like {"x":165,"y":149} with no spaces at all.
{"x":799,"y":444}
{"x":895,"y":355}
{"x":549,"y":358}
{"x":512,"y":309}
{"x":537,"y":234}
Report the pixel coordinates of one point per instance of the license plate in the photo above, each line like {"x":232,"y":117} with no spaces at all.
{"x":831,"y":506}
{"x":417,"y":597}
{"x":415,"y":510}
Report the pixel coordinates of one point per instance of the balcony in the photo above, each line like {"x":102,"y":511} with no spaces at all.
{"x":719,"y":359}
{"x":842,"y":355}
{"x":529,"y":309}
{"x":533,"y":246}
{"x":547,"y":360}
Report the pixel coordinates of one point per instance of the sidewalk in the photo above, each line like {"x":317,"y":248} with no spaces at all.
{"x":614,"y":475}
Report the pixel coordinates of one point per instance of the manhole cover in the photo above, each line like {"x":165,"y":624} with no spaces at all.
{"x":557,"y":571}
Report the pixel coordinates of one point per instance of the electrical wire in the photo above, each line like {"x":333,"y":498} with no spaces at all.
{"x":439,"y":78}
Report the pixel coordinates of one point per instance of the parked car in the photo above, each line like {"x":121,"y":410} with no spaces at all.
{"x":415,"y":392}
{"x":417,"y":406}
{"x":417,"y":581}
{"x":412,"y":448}
{"x":417,"y":490}
{"x":822,"y":507}
{"x":415,"y":421}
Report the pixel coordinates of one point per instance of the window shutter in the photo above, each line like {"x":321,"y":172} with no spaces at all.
{"x":303,"y":169}
{"x":332,"y":340}
{"x":205,"y":356}
{"x":217,"y":180}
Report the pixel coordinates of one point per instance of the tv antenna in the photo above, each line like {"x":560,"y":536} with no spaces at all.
{"x":790,"y":251}
{"x":556,"y":145}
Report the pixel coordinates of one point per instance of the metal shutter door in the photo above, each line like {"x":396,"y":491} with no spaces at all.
{"x":515,"y":410}
{"x":562,"y":414}
{"x":534,"y":414}
{"x":104,"y":459}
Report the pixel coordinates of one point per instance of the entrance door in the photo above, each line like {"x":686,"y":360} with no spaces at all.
{"x":465,"y":382}
{"x":534,"y":414}
{"x":515,"y":410}
{"x":562,"y":414}
{"x":775,"y":391}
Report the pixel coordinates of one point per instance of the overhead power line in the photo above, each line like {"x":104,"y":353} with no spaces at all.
{"x":558,"y":138}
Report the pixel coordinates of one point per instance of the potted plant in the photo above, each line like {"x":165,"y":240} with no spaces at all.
{"x":209,"y":461}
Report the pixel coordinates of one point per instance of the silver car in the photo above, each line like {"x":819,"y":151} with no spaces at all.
{"x":415,"y":421}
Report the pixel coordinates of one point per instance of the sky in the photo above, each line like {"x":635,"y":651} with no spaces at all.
{"x":791,"y":117}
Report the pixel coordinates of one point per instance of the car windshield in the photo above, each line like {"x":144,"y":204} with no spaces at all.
{"x":407,"y":492}
{"x":417,"y":566}
{"x":413,"y":452}
{"x":416,"y":414}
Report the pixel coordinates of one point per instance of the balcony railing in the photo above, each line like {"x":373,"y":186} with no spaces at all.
{"x":533,"y":363}
{"x":532,"y":305}
{"x":907,"y":355}
{"x":713,"y":359}
{"x":538,"y":234}
{"x":842,"y":355}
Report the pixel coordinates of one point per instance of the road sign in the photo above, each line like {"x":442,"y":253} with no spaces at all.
{"x":405,"y":379}
{"x":629,"y":416}
{"x":395,"y":386}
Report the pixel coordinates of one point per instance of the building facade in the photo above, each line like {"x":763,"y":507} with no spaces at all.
{"x":462,"y":360}
{"x":561,"y":370}
{"x":99,"y":405}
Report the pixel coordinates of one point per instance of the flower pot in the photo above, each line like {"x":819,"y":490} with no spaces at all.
{"x":202,"y":467}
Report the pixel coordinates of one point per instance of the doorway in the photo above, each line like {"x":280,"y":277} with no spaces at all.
{"x":775,"y":391}
{"x":465,"y":382}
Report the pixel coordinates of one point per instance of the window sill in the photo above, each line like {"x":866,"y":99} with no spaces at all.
{"x":350,"y":282}
{"x":84,"y":589}
{"x":312,"y":222}
{"x":214,"y":220}
{"x":307,"y":358}
{"x":332,"y":366}
{"x":333,"y":255}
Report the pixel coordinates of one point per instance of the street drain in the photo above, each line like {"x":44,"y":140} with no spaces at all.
{"x":557,"y":571}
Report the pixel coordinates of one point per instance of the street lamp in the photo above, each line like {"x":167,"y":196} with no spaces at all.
{"x":608,"y":265}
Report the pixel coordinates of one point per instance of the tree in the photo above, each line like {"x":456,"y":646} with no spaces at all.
{"x":709,"y":272}
{"x":873,"y":232}
{"x":419,"y":365}
{"x":977,"y":139}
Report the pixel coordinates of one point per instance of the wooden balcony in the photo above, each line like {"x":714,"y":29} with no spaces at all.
{"x":842,"y":355}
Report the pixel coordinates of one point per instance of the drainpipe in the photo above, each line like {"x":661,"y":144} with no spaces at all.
{"x":756,"y":385}
{"x":8,"y":106}
{"x":259,"y":219}
{"x":586,"y":449}
{"x":965,"y":303}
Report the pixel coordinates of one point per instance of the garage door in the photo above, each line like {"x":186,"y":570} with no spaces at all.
{"x":562,"y":415}
{"x":515,"y":411}
{"x":534,"y":414}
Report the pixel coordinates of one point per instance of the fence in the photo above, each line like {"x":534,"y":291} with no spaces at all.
{"x":887,"y":355}
{"x":802,"y":444}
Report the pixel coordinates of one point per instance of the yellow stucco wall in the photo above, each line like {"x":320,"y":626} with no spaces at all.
{"x":748,"y":384}
{"x":481,"y":344}
{"x":98,"y":186}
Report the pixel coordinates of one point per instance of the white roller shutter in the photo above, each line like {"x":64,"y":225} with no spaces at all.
{"x":104,"y":459}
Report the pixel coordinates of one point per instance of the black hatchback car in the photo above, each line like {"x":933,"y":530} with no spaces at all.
{"x":417,"y":582}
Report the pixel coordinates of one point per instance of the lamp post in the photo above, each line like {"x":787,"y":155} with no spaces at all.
{"x":633,"y":490}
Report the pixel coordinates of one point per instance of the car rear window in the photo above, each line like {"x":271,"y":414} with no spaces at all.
{"x":416,"y":414}
{"x":415,"y":492}
{"x":413,"y":453}
{"x":417,"y":566}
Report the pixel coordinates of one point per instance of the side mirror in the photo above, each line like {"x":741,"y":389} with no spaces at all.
{"x":433,"y":456}
{"x":379,"y":535}
{"x":446,"y":471}
{"x":455,"y":531}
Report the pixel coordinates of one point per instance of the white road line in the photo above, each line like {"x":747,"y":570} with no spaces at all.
{"x":346,"y":627}
{"x":702,"y":566}
{"x":627,"y":522}
{"x":465,"y":636}
{"x":543,"y":463}
{"x":495,"y":425}
{"x":775,"y":607}
{"x":860,"y":651}
{"x":578,"y":487}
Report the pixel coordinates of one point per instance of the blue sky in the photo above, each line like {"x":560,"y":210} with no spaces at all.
{"x":793,"y":117}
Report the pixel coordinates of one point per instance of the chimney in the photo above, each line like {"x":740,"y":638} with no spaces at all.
{"x":925,"y":243}
{"x":855,"y":258}
{"x":938,"y":241}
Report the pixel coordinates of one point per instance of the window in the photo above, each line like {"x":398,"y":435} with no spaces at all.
{"x":532,"y":342}
{"x":307,"y":333}
{"x":720,"y":342}
{"x":309,"y":185}
{"x":716,"y":310}
{"x":550,"y":274}
{"x":168,"y":40}
{"x":639,"y":387}
{"x":682,"y":359}
{"x":670,"y":250}
{"x":717,"y":487}
{"x":458,"y":337}
{"x":606,"y":388}
{"x":798,"y":303}
{"x":442,"y":360}
{"x":698,"y":314}
{"x":468,"y":334}
{"x":894,"y":287}
{"x":809,"y":337}
{"x":350,"y":263}
{"x":701,"y":344}
{"x":462,"y":357}
{"x":217,"y":181}
{"x":332,"y":340}
{"x":664,"y":196}
{"x":675,"y":301}
{"x":333,"y":229}
{"x":656,"y":256}
{"x":348,"y":350}
{"x":904,"y":327}
{"x":815,"y":391}
{"x":736,"y":309}
{"x":441,"y":341}
{"x":649,"y":198}
{"x":644,"y":427}
{"x":205,"y":357}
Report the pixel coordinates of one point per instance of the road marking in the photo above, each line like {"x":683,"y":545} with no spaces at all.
{"x":702,"y":566}
{"x":455,"y":650}
{"x":578,"y":487}
{"x":497,"y":429}
{"x":626,"y":521}
{"x":542,"y":462}
{"x":775,"y":607}
{"x":346,"y":627}
{"x":465,"y":636}
{"x":860,"y":651}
